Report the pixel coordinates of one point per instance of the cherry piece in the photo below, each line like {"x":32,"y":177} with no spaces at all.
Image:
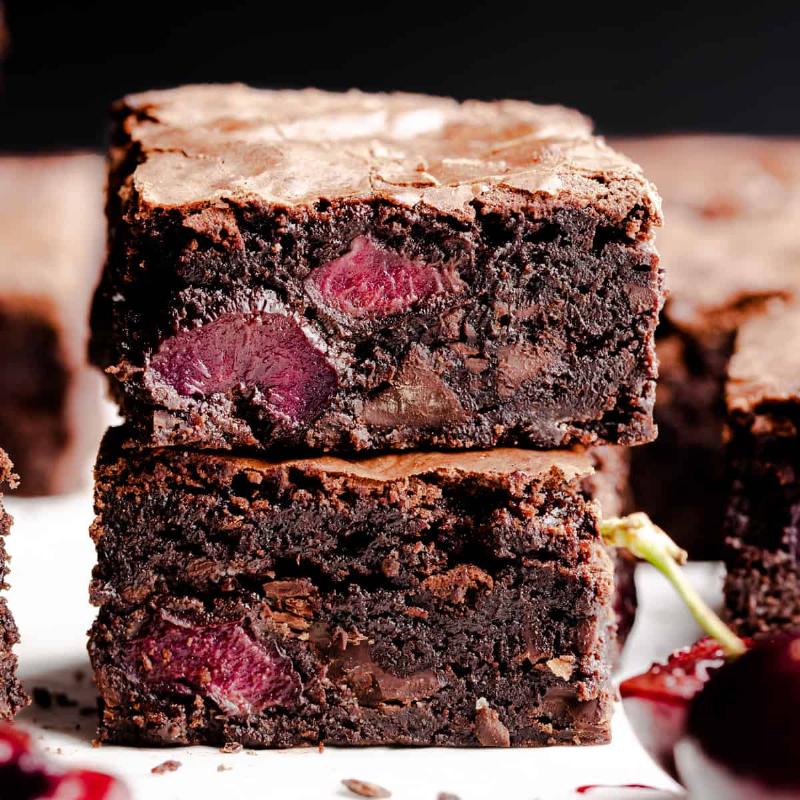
{"x":253,"y":350}
{"x":26,"y":775}
{"x":222,"y":662}
{"x":371,"y":281}
{"x":657,"y":701}
{"x":743,"y":728}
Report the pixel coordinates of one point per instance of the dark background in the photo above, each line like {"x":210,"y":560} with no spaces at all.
{"x":634,"y":68}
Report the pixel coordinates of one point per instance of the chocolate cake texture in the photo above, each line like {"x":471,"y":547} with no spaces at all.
{"x":421,"y":599}
{"x":51,"y":252}
{"x":422,"y":273}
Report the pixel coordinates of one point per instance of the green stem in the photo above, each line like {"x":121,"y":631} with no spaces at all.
{"x":638,"y":534}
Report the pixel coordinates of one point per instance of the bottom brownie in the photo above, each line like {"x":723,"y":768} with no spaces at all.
{"x":423,"y":599}
{"x":762,"y":525}
{"x":12,"y":698}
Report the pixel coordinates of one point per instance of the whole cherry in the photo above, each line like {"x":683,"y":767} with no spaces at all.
{"x":742,"y":738}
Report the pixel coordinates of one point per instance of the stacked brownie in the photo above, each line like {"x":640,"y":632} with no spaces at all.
{"x":730,"y":246}
{"x":297,"y":280}
{"x":51,"y":244}
{"x":12,"y":698}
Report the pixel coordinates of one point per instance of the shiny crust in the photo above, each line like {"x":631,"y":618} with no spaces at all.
{"x":292,"y":149}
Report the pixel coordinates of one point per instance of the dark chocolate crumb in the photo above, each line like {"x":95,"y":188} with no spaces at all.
{"x":42,"y":697}
{"x":166,"y":766}
{"x":232,"y":747}
{"x":364,"y":789}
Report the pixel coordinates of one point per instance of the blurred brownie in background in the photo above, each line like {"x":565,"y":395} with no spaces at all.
{"x":51,"y":250}
{"x":731,"y":242}
{"x":424,"y":273}
{"x":12,"y":698}
{"x":762,"y":524}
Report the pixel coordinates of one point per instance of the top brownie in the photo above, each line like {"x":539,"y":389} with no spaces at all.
{"x":360,"y":272}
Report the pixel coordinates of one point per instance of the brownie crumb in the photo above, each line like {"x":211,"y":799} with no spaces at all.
{"x":231,"y":747}
{"x":364,"y":789}
{"x":42,"y":697}
{"x":166,"y":766}
{"x":223,"y":768}
{"x":489,"y":731}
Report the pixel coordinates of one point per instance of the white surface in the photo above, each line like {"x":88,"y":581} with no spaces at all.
{"x":52,"y":558}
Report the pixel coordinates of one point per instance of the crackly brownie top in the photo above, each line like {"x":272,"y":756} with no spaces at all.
{"x":732,"y":209}
{"x":765,"y":367}
{"x":52,"y":232}
{"x":294,"y":149}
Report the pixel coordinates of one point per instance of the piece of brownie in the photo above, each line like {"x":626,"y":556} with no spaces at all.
{"x":762,"y":524}
{"x":418,"y":599}
{"x":354,"y":272}
{"x":12,"y":697}
{"x":51,"y":252}
{"x":733,"y":209}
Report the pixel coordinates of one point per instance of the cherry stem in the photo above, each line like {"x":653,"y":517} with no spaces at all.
{"x":638,"y":534}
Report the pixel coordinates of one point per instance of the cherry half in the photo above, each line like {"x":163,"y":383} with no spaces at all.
{"x":26,"y":775}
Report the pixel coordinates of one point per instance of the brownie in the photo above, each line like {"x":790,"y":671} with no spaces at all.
{"x":417,"y":599}
{"x":12,"y":697}
{"x":762,"y":524}
{"x":51,"y":246}
{"x":422,"y":273}
{"x":730,"y":245}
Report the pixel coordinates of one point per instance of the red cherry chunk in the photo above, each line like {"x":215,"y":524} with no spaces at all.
{"x":250,"y":350}
{"x":220,"y":661}
{"x":372,"y":281}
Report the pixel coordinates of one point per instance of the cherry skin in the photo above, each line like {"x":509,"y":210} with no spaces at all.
{"x":743,"y":729}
